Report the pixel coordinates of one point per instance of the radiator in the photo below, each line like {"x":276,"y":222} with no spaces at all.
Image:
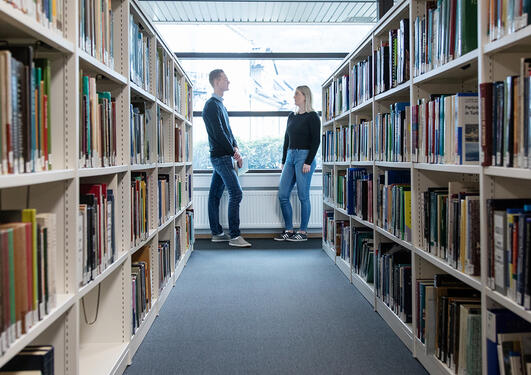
{"x":259,"y":209}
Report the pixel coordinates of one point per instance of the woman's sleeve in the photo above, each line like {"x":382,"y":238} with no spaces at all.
{"x":315,"y":136}
{"x":285,"y":147}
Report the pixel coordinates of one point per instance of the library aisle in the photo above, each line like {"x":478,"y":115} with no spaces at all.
{"x":278,"y":308}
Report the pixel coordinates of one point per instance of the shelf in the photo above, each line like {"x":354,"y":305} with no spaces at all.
{"x":472,"y":281}
{"x":103,"y":358}
{"x":521,"y":173}
{"x":188,"y":163}
{"x":344,"y":266}
{"x":453,"y":168}
{"x":166,"y":223}
{"x":24,"y":25}
{"x":182,"y":263}
{"x":179,"y":164}
{"x":362,"y":163}
{"x":329,"y":250}
{"x":430,"y":362}
{"x":452,"y":70}
{"x":141,"y":92}
{"x":188,"y":123}
{"x":394,"y":164}
{"x":342,"y":163}
{"x":329,"y":122}
{"x":329,"y":203}
{"x":366,"y":290}
{"x":63,"y":303}
{"x":509,"y":304}
{"x":179,"y":116}
{"x":328,"y":163}
{"x":15,"y":180}
{"x":143,"y":167}
{"x":89,"y":172}
{"x":166,"y":165}
{"x":394,"y":238}
{"x":392,"y":94}
{"x":98,"y":67}
{"x":519,"y":41}
{"x":342,"y":116}
{"x":85,"y":289}
{"x":403,"y":330}
{"x":341,"y":210}
{"x":164,"y":107}
{"x":163,"y":295}
{"x":363,"y":107}
{"x":401,"y":8}
{"x":363,"y":222}
{"x":144,"y":242}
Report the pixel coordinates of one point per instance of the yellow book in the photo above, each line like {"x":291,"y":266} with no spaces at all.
{"x":407,"y":204}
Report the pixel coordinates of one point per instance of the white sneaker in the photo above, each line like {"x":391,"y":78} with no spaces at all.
{"x":239,"y":242}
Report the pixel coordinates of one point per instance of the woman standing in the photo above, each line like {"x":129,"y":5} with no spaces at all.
{"x":301,"y":141}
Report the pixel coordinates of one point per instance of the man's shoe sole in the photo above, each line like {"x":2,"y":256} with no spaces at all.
{"x":235,"y":245}
{"x":219,"y":240}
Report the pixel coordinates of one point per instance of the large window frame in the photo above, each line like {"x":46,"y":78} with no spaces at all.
{"x":258,"y":56}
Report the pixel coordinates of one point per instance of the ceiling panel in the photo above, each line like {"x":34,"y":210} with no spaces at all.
{"x":251,"y":11}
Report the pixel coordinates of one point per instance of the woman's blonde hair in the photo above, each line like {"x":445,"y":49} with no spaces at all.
{"x":305,"y":90}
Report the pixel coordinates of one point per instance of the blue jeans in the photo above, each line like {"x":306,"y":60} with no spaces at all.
{"x":223,"y":176}
{"x":292,"y":173}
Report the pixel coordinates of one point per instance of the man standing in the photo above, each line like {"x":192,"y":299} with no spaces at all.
{"x":223,"y":148}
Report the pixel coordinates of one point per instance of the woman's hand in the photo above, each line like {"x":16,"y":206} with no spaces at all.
{"x":305,"y":168}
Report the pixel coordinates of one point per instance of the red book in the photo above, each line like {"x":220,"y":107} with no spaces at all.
{"x":485,"y":95}
{"x":453,"y":26}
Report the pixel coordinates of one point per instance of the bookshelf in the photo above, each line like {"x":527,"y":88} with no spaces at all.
{"x":482,"y":59}
{"x":90,"y":325}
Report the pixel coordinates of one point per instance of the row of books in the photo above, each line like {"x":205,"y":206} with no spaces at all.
{"x":508,"y":248}
{"x":190,"y":229}
{"x":183,"y":190}
{"x":342,"y":239}
{"x":392,"y":59}
{"x":141,"y":276}
{"x":394,"y":203}
{"x":362,"y":141}
{"x":327,"y":186}
{"x":362,"y":85}
{"x":328,"y":146}
{"x":343,"y":139}
{"x":96,"y":230}
{"x":97,"y":126}
{"x":32,"y":360}
{"x":359,"y":193}
{"x":507,"y":17}
{"x":444,"y":30}
{"x":164,"y":259}
{"x":96,"y":30}
{"x":177,"y":240}
{"x":48,"y":13}
{"x":446,"y":129}
{"x":328,"y":227}
{"x":393,"y":279}
{"x":139,"y":53}
{"x":337,"y":97}
{"x":177,"y":87}
{"x":160,"y":135}
{"x":392,"y":134}
{"x":188,"y":108}
{"x":505,"y":122}
{"x":363,"y":253}
{"x":28,"y":259}
{"x":141,"y":133}
{"x":449,"y":225}
{"x":449,"y":322}
{"x":163,"y":73}
{"x":139,"y":207}
{"x":164,"y":197}
{"x":25,"y":111}
{"x":183,"y":144}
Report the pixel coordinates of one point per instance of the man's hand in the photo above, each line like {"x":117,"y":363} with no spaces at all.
{"x":237,"y":155}
{"x":282,"y":166}
{"x":305,"y":168}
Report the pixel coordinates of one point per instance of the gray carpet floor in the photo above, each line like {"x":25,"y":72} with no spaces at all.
{"x":278,"y":308}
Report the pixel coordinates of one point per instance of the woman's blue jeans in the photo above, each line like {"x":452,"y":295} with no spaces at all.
{"x":291,"y":174}
{"x":223,"y":176}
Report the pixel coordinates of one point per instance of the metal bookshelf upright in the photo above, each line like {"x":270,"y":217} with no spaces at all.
{"x":107,"y":345}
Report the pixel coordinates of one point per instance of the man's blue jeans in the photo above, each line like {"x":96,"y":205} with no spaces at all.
{"x":292,"y":173}
{"x":223,"y":176}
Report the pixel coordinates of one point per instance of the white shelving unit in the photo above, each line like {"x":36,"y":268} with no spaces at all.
{"x":107,"y":345}
{"x":491,"y":61}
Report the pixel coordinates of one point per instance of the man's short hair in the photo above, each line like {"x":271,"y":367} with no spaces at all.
{"x":215,"y":74}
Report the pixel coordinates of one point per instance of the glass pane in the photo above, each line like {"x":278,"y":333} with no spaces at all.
{"x":260,"y":85}
{"x":260,"y":139}
{"x":263,"y":38}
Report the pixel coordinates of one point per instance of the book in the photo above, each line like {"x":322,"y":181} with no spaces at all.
{"x":244,"y":168}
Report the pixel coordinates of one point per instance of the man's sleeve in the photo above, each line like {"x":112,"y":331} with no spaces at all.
{"x":213,"y":120}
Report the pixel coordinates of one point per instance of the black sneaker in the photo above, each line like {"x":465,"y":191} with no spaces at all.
{"x":284,"y":236}
{"x":297,"y":237}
